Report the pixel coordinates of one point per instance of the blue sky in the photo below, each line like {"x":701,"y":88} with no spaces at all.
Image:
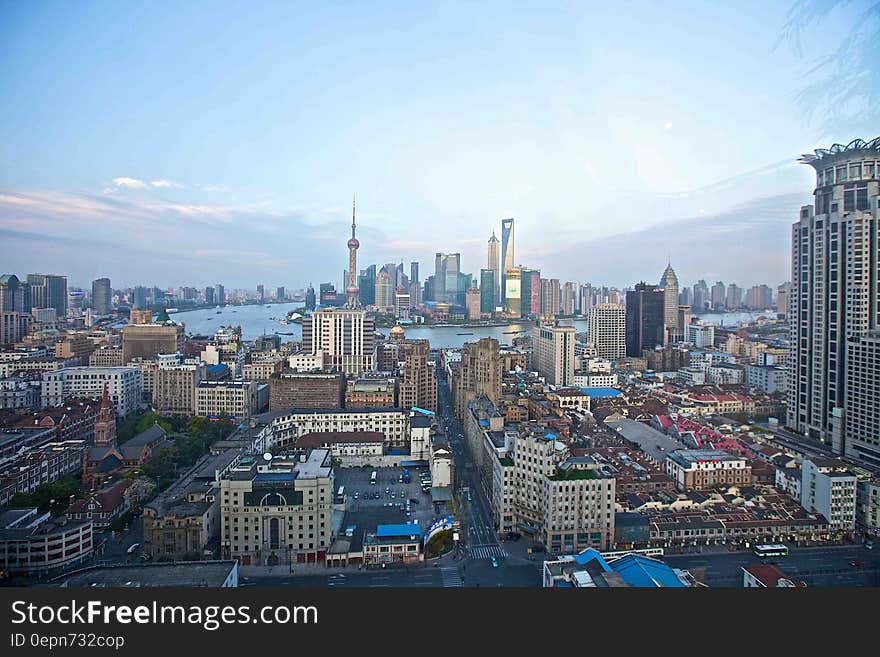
{"x":193,"y":143}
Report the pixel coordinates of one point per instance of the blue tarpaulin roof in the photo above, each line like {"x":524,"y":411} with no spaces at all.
{"x":637,"y":570}
{"x":390,"y":531}
{"x":598,"y":393}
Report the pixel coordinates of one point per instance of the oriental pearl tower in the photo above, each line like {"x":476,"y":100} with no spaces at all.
{"x":352,"y":290}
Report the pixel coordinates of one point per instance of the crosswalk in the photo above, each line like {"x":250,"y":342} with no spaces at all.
{"x":487,"y":551}
{"x":451,"y":577}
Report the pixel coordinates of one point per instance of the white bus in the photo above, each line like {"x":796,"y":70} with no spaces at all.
{"x":771,"y":550}
{"x":373,"y":477}
{"x":340,"y":495}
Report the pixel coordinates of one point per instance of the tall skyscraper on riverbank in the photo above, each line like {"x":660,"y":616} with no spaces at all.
{"x":506,"y":254}
{"x":493,"y":263}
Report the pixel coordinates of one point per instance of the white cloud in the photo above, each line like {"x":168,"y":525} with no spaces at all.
{"x":166,"y":183}
{"x":130,"y":183}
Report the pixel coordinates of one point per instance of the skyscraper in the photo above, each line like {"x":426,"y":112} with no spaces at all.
{"x":701,"y":296}
{"x":530,"y":291}
{"x":9,"y":285}
{"x":102,"y":296}
{"x":553,"y":353}
{"x":353,"y":300}
{"x":219,"y":294}
{"x":669,"y":283}
{"x":718,"y":296}
{"x":367,"y":284}
{"x":568,"y":299}
{"x":834,"y":302}
{"x":487,"y":290}
{"x":414,"y":273}
{"x":644,"y":318}
{"x":506,"y":254}
{"x":493,"y":263}
{"x":550,"y":297}
{"x":447,"y":267}
{"x":512,"y":293}
{"x":281,"y":293}
{"x":607,"y":329}
{"x":782,"y":300}
{"x":384,"y":291}
{"x":311,"y":302}
{"x":346,"y":337}
{"x":48,"y":291}
{"x":139,"y":298}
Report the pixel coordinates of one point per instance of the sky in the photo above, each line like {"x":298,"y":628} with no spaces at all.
{"x":193,"y":143}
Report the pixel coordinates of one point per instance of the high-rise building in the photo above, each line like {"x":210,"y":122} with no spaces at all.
{"x":669,"y":283}
{"x":512,"y":292}
{"x":530,"y":291}
{"x":701,"y":301}
{"x":367,"y":286}
{"x":487,"y":290}
{"x":418,"y":378}
{"x":493,"y":264}
{"x":506,"y":255}
{"x":479,"y":373}
{"x":550,"y":297}
{"x":219,"y":295}
{"x":48,"y":291}
{"x":718,"y":296}
{"x":447,"y":267}
{"x":146,"y":341}
{"x":686,"y":296}
{"x":9,"y":286}
{"x":607,"y":328}
{"x":414,"y":273}
{"x":261,"y":293}
{"x":346,"y":338}
{"x":553,"y":353}
{"x":834,"y":303}
{"x":140,"y":302}
{"x":644,"y":319}
{"x":311,"y":302}
{"x":327,"y":295}
{"x":472,"y":303}
{"x":759,"y":297}
{"x":585,"y":294}
{"x":782,"y":300}
{"x":568,"y":299}
{"x":733,"y":298}
{"x":384,"y":291}
{"x":102,"y":297}
{"x":281,"y":293}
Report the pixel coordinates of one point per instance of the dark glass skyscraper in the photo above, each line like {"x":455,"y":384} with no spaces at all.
{"x":644,"y":318}
{"x":101,"y":297}
{"x":49,"y":291}
{"x":310,"y":298}
{"x":487,"y":290}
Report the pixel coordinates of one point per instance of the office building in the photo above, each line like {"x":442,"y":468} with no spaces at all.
{"x":493,"y":264}
{"x":102,"y":296}
{"x":834,"y":295}
{"x":9,"y":290}
{"x":733,"y":298}
{"x":568,"y":299}
{"x":507,"y":261}
{"x":147,"y":341}
{"x":123,"y":384}
{"x":701,"y":469}
{"x":862,"y":414}
{"x":669,"y":284}
{"x":607,"y":330}
{"x":384,"y":291}
{"x":512,"y":293}
{"x":219,"y":295}
{"x":417,"y":377}
{"x":306,"y":390}
{"x":782,"y":300}
{"x":644,"y":319}
{"x":829,"y":487}
{"x":48,"y":291}
{"x":550,"y":297}
{"x":759,"y":297}
{"x":487,"y":290}
{"x":311,"y":301}
{"x":347,"y":339}
{"x":478,"y":374}
{"x":13,"y":326}
{"x":232,"y":399}
{"x":553,"y":353}
{"x":278,"y":511}
{"x":530,"y":292}
{"x":174,"y":385}
{"x":701,"y":298}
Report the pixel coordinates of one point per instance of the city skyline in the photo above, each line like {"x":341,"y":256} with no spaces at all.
{"x":620,"y":161}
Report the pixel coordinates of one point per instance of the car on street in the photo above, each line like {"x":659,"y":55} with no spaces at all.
{"x":132,"y":548}
{"x":494,"y":562}
{"x":402,"y":494}
{"x":356,"y":495}
{"x":855,"y":563}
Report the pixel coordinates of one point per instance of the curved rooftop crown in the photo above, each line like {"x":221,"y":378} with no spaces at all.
{"x":669,"y":275}
{"x":837,"y":149}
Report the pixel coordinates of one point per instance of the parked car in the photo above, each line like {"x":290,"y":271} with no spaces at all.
{"x":494,"y":562}
{"x":855,"y":563}
{"x":356,"y":495}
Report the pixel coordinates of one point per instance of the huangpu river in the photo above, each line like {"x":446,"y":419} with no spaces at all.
{"x":259,"y":320}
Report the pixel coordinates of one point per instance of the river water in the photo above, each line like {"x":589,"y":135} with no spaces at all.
{"x":259,"y":320}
